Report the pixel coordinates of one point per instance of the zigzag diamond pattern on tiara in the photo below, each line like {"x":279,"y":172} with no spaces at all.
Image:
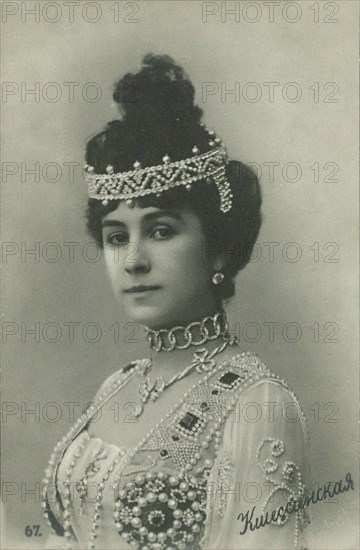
{"x":209,"y":166}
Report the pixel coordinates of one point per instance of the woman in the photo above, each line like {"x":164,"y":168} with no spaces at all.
{"x":195,"y":468}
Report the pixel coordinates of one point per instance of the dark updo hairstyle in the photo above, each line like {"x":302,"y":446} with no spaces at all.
{"x":158,"y":117}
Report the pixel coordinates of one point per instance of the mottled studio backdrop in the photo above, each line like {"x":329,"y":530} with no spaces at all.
{"x":277,"y":81}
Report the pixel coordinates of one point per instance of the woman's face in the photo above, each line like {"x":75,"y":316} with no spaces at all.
{"x":163,"y":250}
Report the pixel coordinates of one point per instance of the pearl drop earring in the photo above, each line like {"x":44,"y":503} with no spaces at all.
{"x":218,"y":278}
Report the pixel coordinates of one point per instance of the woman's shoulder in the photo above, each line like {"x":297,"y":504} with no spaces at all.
{"x":260,"y":391}
{"x":248,"y":372}
{"x":116,"y":378}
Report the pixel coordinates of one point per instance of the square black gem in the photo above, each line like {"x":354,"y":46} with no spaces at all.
{"x":228,"y":379}
{"x":189,"y":421}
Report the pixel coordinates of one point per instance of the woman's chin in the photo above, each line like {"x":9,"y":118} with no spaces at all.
{"x":145,"y":314}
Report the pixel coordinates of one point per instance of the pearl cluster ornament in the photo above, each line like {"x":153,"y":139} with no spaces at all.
{"x":165,"y":512}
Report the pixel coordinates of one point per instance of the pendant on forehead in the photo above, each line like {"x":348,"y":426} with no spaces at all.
{"x":130,"y":203}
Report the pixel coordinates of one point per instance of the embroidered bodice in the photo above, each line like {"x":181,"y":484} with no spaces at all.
{"x":233,"y":447}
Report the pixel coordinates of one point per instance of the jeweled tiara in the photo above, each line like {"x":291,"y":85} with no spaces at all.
{"x":209,"y":166}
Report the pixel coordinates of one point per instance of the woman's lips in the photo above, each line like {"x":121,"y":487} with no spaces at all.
{"x":141,"y":289}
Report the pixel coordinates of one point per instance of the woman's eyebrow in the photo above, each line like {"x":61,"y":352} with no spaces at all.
{"x":148,"y":217}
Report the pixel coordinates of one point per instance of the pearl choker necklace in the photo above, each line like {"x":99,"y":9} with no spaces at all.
{"x":210,"y":328}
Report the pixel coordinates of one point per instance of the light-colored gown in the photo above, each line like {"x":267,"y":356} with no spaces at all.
{"x":208,"y":476}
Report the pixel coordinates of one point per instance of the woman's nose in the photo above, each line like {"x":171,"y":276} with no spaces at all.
{"x":136,"y":259}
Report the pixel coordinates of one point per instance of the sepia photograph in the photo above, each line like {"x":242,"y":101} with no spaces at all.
{"x":180,"y":305}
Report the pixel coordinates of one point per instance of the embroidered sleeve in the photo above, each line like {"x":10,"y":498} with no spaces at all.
{"x":260,"y":471}
{"x":284,"y":479}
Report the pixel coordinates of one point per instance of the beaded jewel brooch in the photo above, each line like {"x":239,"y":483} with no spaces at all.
{"x":161,"y":512}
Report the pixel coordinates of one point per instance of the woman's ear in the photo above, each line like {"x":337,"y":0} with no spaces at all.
{"x":219,"y":264}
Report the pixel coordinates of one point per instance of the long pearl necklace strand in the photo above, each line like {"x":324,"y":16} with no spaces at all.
{"x":59,"y":451}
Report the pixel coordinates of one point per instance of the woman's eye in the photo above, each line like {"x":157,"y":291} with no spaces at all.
{"x":163,"y":232}
{"x":117,"y":239}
